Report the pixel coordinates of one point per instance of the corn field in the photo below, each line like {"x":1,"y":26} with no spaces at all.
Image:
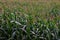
{"x":29,"y":20}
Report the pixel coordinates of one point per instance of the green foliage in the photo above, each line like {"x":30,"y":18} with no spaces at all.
{"x":17,"y":25}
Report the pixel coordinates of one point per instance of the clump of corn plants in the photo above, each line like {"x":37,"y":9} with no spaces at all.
{"x":16,"y":27}
{"x":17,"y":24}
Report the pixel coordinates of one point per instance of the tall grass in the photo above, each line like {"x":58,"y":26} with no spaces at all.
{"x":34,"y":24}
